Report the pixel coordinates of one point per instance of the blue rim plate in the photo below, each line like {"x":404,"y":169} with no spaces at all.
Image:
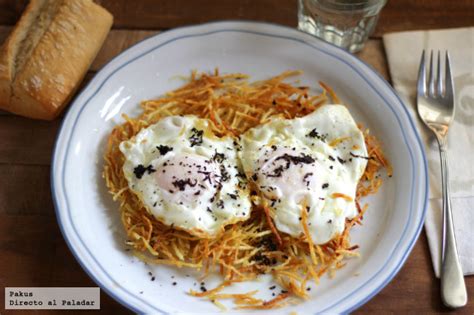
{"x":90,"y":222}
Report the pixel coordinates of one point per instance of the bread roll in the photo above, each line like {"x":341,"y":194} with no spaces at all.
{"x":48,"y":53}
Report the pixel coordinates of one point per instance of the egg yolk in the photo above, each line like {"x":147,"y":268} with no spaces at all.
{"x":284,"y":172}
{"x":186,"y":179}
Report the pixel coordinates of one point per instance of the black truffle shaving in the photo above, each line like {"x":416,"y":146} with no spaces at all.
{"x":207,"y":176}
{"x":289,"y":159}
{"x":218,"y":157}
{"x":140,"y":170}
{"x":164,"y":149}
{"x":305,"y":178}
{"x":196,"y":137}
{"x":233,"y":196}
{"x":277,"y":171}
{"x":274,"y":201}
{"x":315,"y":134}
{"x":224,"y":174}
{"x":361,"y":157}
{"x":305,"y":159}
{"x":182,"y":183}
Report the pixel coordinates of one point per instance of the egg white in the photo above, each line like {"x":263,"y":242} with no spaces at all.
{"x":186,"y":176}
{"x":311,"y":164}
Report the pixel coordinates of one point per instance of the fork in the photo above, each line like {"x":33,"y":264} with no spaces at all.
{"x":435,"y":104}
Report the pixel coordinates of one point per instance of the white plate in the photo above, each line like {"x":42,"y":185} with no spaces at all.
{"x":89,"y":220}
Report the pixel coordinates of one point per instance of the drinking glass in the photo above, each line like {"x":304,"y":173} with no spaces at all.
{"x":345,"y":23}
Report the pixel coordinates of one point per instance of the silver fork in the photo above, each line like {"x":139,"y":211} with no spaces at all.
{"x":435,"y":103}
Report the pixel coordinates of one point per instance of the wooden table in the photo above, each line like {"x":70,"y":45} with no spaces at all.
{"x":32,"y":250}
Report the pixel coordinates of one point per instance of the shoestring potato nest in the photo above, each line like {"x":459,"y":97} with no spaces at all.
{"x":244,"y":250}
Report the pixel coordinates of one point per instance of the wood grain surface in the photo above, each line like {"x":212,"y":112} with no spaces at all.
{"x":32,"y":251}
{"x":398,"y":15}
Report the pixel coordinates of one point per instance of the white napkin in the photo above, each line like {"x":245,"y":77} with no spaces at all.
{"x":404,"y":53}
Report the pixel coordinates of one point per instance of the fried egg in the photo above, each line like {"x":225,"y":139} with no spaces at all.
{"x":186,"y":176}
{"x":311,"y":164}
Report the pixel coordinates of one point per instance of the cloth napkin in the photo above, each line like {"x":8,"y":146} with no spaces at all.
{"x":404,"y":53}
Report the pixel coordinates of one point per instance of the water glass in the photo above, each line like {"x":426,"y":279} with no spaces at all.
{"x":345,"y":23}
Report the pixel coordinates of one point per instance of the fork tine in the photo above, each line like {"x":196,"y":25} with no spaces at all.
{"x":431,"y":84}
{"x":439,"y":77}
{"x":449,"y":87}
{"x":421,"y":86}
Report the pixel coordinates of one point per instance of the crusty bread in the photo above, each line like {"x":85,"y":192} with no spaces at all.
{"x":11,"y":47}
{"x":18,"y":47}
{"x":48,"y":53}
